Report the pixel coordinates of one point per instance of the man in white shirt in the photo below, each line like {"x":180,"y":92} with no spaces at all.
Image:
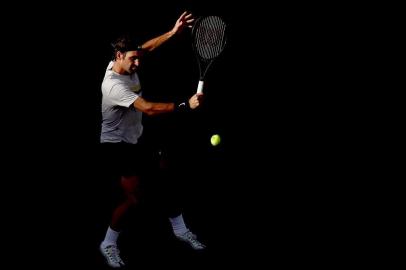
{"x":121,"y":132}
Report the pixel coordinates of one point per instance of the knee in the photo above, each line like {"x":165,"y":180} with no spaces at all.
{"x":131,"y":198}
{"x":130,"y":187}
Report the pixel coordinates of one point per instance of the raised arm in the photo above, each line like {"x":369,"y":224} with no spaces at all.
{"x":185,"y":20}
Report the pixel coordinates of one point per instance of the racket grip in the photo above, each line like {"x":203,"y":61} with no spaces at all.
{"x":200,"y":87}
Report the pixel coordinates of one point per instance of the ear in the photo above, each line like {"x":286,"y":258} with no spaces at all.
{"x":119,"y":55}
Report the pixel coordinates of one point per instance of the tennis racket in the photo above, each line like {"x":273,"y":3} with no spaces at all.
{"x":208,"y":40}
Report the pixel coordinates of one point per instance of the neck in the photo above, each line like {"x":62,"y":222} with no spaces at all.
{"x":116,"y":68}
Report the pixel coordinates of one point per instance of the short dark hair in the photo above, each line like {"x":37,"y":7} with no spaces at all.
{"x":124,"y":44}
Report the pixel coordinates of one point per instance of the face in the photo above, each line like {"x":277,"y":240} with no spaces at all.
{"x":129,"y":61}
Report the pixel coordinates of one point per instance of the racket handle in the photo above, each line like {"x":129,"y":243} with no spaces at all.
{"x":200,"y":87}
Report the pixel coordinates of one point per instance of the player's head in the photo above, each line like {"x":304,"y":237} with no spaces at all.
{"x":127,"y":52}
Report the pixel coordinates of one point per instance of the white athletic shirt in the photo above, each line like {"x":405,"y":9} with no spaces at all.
{"x":120,"y":120}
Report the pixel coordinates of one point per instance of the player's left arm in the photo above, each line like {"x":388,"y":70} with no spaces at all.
{"x":185,"y":20}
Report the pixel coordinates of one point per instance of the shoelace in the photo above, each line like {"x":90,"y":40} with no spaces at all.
{"x":190,"y":235}
{"x":113,"y":253}
{"x":192,"y":238}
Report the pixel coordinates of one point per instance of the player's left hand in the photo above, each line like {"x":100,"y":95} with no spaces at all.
{"x":185,"y":20}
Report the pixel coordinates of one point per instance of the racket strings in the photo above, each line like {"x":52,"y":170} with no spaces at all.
{"x":210,"y":37}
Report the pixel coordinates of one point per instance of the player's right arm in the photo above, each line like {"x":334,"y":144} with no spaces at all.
{"x":154,"y":108}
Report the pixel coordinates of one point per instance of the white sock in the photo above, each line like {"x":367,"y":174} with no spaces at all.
{"x":178,"y":225}
{"x":111,"y":237}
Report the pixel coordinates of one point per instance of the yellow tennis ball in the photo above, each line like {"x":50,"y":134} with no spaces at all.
{"x":215,"y":139}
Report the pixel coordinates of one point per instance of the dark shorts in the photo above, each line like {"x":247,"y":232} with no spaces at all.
{"x":125,"y":159}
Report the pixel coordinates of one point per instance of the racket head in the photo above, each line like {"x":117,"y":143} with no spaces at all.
{"x":209,"y":37}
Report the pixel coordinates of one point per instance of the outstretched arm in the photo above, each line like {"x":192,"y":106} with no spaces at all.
{"x":185,"y":20}
{"x":154,"y":108}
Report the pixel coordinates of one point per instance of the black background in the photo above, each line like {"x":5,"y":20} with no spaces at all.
{"x":272,"y":96}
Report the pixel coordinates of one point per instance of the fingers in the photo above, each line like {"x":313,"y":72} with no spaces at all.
{"x":186,"y":17}
{"x":189,"y":23}
{"x":198,"y":99}
{"x":185,"y":20}
{"x":195,"y":100}
{"x":183,"y":15}
{"x":196,"y":103}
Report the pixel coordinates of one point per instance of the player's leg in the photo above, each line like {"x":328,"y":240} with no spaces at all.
{"x":130,"y":186}
{"x":174,"y":198}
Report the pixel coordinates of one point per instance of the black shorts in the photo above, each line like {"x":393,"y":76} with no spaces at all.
{"x":125,"y":159}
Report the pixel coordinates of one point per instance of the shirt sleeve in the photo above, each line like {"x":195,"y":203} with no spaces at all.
{"x":121,"y":95}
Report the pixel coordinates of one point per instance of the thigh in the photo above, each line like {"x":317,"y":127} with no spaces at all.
{"x":130,"y":184}
{"x":124,"y":159}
